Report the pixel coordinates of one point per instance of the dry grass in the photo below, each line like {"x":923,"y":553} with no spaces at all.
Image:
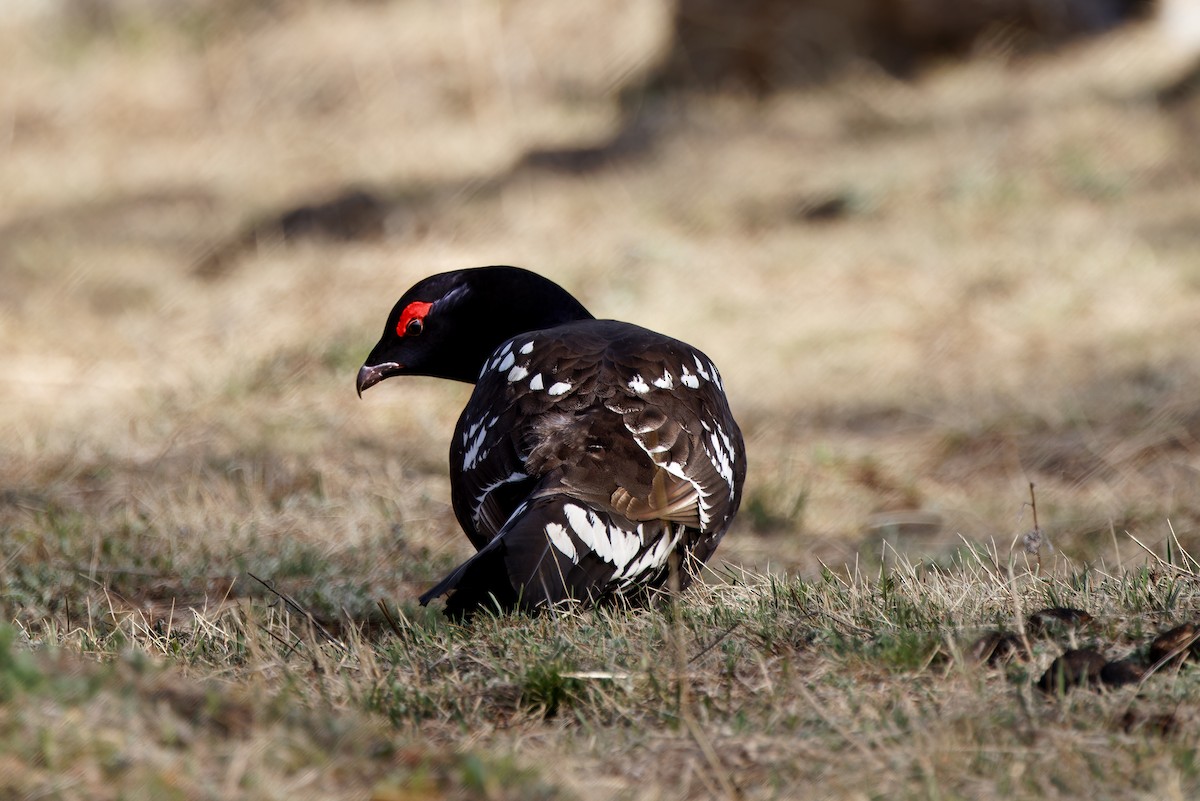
{"x":1009,"y":298}
{"x":858,"y":686}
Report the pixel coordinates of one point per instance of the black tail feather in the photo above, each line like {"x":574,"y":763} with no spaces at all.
{"x":520,"y":568}
{"x":481,"y":582}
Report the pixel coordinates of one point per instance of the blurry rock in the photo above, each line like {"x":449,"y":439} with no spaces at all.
{"x":1160,"y":723}
{"x":1184,"y":89}
{"x":801,"y":208}
{"x":1056,"y":617}
{"x":1175,"y":644}
{"x":635,"y":140}
{"x":1121,"y":672}
{"x":821,"y":208}
{"x":762,"y":46}
{"x":351,"y":215}
{"x":1076,"y":668}
{"x":998,"y":647}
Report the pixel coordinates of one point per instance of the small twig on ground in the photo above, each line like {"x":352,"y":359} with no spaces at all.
{"x":716,"y":641}
{"x":292,"y":604}
{"x":1033,"y":503}
{"x":1033,"y":540}
{"x":389,"y":618}
{"x":1187,"y":557}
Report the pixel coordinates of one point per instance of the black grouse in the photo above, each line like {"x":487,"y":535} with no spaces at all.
{"x":592,"y":453}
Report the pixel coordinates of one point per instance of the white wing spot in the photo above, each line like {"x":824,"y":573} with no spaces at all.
{"x":625,"y":546}
{"x":721,"y":455}
{"x":561,"y":388}
{"x":654,"y":557}
{"x":614,"y":545}
{"x":535,"y":383}
{"x":716,"y":377}
{"x":527,"y":348}
{"x":700,"y":368}
{"x":591,"y":532}
{"x":638,"y":385}
{"x":517,"y":373}
{"x":472,"y":455}
{"x":477,"y":433}
{"x":665,"y":382}
{"x":499,"y":357}
{"x":562,"y":541}
{"x":688,"y":380}
{"x":507,"y":361}
{"x":728,"y":443}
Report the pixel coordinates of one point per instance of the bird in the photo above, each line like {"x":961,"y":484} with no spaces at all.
{"x":595,"y":461}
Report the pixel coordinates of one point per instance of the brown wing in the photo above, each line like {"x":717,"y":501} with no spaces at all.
{"x":595,"y":448}
{"x":615,"y":414}
{"x":674,"y":407}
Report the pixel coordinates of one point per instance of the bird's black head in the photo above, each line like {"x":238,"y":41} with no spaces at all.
{"x":449,"y":324}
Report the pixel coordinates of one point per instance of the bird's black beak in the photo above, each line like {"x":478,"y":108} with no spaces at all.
{"x":372,"y":374}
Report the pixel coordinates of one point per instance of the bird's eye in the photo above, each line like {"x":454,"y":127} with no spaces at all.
{"x":412,"y":319}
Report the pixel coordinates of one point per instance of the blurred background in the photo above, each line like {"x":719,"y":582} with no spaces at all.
{"x":940,"y":250}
